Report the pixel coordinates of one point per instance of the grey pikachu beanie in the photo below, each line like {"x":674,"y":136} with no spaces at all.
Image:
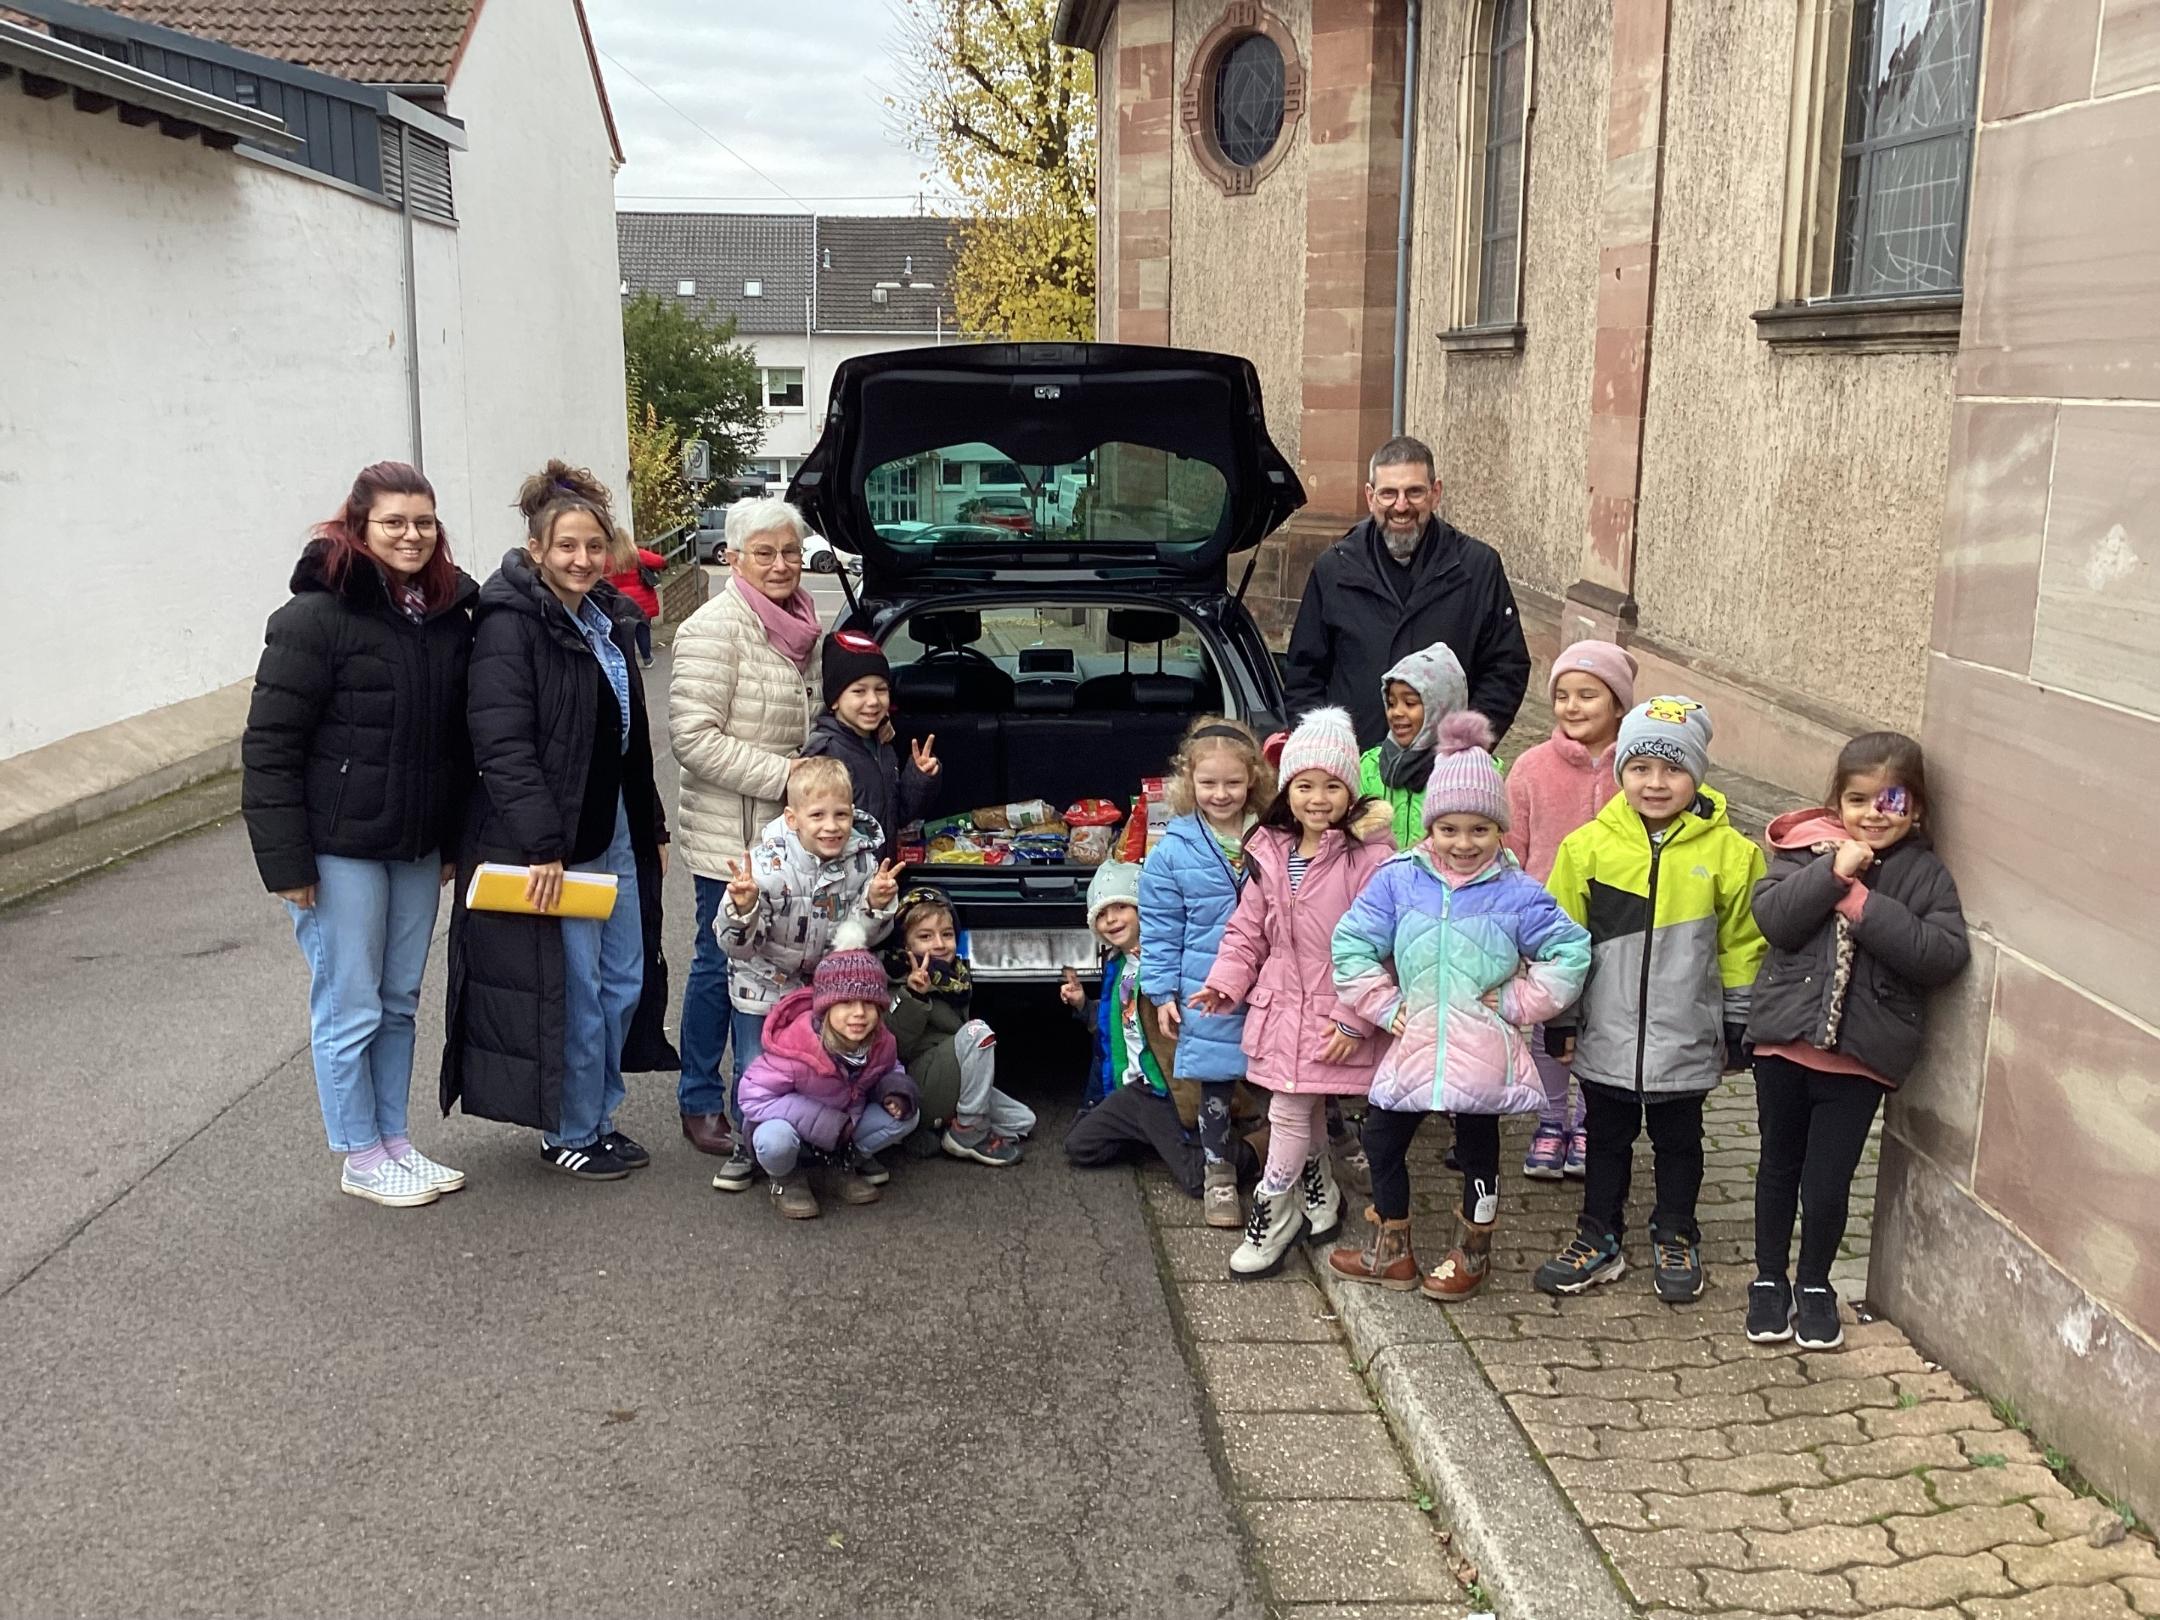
{"x":1674,"y":729}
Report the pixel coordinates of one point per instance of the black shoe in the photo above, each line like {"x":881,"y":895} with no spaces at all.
{"x":629,"y":1152}
{"x":1769,"y":1310}
{"x":1680,"y":1275}
{"x":1582,"y":1264}
{"x":594,"y":1163}
{"x":739,"y":1170}
{"x":867,"y":1166}
{"x":1815,"y":1319}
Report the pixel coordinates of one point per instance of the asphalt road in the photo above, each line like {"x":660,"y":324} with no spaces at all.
{"x":226,"y":1389}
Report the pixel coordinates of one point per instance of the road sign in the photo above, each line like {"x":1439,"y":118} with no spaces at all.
{"x":697,"y":461}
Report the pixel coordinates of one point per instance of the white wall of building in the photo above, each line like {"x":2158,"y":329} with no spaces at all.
{"x":537,"y":262}
{"x":789,"y":434}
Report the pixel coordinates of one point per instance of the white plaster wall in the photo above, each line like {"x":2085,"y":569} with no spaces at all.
{"x":200,"y":351}
{"x":539,"y":277}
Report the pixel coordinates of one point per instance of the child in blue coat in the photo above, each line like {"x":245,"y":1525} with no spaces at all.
{"x":1188,"y":890}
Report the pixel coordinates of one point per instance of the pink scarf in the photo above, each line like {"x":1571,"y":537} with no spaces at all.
{"x":791,"y":626}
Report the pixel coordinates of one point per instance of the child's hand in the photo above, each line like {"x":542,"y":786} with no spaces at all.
{"x":919,"y":980}
{"x":1208,"y":999}
{"x":885,"y":886}
{"x":897,"y":1107}
{"x":925,"y":757}
{"x":1400,"y":1021}
{"x":1168,"y":1019}
{"x":1070,"y":991}
{"x":1853,"y":857}
{"x":1340,"y":1048}
{"x":742,"y":895}
{"x":1491,"y":998}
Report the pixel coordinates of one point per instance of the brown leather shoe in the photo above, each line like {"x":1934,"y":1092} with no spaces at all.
{"x":709,"y":1133}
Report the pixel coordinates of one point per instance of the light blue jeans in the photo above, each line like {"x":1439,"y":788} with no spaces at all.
{"x":603,"y":979}
{"x":366,"y":943}
{"x":778,"y":1147}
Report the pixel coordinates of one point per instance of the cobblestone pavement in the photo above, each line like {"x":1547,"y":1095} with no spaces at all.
{"x":1725,"y":1478}
{"x":1340,"y":1527}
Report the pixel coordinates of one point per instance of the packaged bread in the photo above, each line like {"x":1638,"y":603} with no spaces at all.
{"x":1018,"y":817}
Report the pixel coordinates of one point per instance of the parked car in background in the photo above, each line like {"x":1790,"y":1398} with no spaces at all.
{"x":1005,"y":511}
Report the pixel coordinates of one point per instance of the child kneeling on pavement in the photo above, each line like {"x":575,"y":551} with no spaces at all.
{"x":1662,"y":880}
{"x":1133,"y":1106}
{"x":1452,"y":947}
{"x":829,"y":1083}
{"x":953,"y":1057}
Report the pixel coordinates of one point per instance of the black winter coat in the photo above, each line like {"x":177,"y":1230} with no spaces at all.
{"x":355,"y":741}
{"x":535,"y":689}
{"x":1857,"y":988}
{"x":888,"y":792}
{"x":1352,"y":627}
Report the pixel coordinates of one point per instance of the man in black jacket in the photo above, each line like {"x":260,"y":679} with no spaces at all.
{"x":1401,"y":580}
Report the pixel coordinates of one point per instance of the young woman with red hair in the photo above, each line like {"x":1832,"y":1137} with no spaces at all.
{"x":356,"y":768}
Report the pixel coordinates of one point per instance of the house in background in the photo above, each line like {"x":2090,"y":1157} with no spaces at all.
{"x":383,"y":235}
{"x":805,"y":292}
{"x":1812,"y":349}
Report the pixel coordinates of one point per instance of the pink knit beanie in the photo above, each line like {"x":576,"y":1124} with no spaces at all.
{"x":1613,"y":665}
{"x":1325,"y":740}
{"x":1465,"y":781}
{"x":850,"y":973}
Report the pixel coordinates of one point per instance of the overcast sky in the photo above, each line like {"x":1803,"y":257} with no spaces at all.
{"x":796,"y":87}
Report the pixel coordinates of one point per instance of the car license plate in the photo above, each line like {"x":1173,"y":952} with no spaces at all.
{"x":1031,"y":954}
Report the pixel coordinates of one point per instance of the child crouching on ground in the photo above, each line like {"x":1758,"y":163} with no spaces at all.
{"x":1673,"y":954}
{"x":828,"y":1083}
{"x":1452,"y":947}
{"x":1132,"y":1109}
{"x":953,"y":1057}
{"x":814,"y":868}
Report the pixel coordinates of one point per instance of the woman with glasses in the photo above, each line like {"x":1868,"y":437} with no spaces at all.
{"x":355,"y":774}
{"x":738,"y":710}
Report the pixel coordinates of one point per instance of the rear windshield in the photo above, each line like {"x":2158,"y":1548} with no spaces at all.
{"x":977,"y":492}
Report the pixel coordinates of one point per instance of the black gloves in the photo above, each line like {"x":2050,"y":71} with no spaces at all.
{"x":1739,"y":1050}
{"x":1556,"y":1041}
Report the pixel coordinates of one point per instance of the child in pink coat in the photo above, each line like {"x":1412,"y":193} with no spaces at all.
{"x":1312,"y":851}
{"x":1560,"y":785}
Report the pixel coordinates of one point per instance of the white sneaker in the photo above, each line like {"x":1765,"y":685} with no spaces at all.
{"x":439,"y":1176}
{"x":389,"y":1183}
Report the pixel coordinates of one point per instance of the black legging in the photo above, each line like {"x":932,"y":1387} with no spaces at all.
{"x":1814,"y":1128}
{"x":1388,"y":1134}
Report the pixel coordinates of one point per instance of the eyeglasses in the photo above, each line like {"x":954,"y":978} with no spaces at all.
{"x":765,"y":558}
{"x":395,"y":527}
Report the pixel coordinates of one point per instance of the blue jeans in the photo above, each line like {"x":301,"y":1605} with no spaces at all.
{"x":778,"y":1147}
{"x":603,"y":977}
{"x":709,"y":1019}
{"x":366,"y":943}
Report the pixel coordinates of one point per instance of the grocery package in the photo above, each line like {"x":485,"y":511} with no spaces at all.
{"x":963,"y":849}
{"x":949,"y":826}
{"x":1093,"y":824}
{"x":1150,"y":819}
{"x":1038,"y":848}
{"x":1028,"y":813}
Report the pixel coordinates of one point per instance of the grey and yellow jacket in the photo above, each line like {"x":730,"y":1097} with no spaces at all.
{"x":1674,"y":948}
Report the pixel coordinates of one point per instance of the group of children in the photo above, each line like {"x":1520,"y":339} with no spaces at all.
{"x":1587,"y":937}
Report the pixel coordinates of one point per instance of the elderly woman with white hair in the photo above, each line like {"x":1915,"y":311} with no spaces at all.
{"x":738,"y":711}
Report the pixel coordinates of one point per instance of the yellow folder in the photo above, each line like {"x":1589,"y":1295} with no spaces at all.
{"x":495,"y":887}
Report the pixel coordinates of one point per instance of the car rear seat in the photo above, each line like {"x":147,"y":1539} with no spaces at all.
{"x":970,"y":747}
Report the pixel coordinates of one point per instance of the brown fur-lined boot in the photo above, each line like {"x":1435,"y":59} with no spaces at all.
{"x":1466,"y":1267}
{"x":1381,"y":1256}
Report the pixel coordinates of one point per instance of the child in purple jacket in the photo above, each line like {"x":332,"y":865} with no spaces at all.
{"x":829,"y":1083}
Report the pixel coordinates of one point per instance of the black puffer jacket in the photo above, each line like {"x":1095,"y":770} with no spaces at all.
{"x":355,"y":741}
{"x":1354,"y":625}
{"x":1853,"y":986}
{"x":535,"y":689}
{"x":888,"y":792}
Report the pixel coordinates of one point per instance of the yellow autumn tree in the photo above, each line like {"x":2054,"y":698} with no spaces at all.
{"x":660,"y":497}
{"x":1007,"y":118}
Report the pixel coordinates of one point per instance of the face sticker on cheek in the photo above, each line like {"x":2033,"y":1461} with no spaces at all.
{"x":1894,"y":800}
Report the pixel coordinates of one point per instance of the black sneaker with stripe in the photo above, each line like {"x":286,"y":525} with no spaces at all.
{"x":630,"y":1155}
{"x":594,"y":1163}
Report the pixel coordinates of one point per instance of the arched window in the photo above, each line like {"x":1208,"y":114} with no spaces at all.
{"x":1495,"y":144}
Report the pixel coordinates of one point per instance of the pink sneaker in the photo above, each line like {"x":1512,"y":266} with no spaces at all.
{"x":1547,"y":1155}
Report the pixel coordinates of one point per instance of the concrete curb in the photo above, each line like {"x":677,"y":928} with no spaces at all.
{"x":28,"y":873}
{"x":1533,"y":1555}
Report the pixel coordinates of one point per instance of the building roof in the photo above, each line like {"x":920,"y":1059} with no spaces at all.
{"x":719,"y":254}
{"x":907,"y":258}
{"x":371,"y":41}
{"x":45,"y":67}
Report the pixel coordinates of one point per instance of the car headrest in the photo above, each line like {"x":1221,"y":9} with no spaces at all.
{"x":1164,"y":692}
{"x":948,"y":627}
{"x":1142,"y":626}
{"x":932,"y":686}
{"x":1043,"y":697}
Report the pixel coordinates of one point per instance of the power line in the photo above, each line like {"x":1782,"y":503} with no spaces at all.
{"x":710,"y":136}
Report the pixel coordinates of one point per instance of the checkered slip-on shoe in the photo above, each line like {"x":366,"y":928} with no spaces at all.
{"x":439,"y":1176}
{"x":389,"y":1184}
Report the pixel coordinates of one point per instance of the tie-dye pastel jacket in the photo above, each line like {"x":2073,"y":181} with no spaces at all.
{"x":1430,"y":945}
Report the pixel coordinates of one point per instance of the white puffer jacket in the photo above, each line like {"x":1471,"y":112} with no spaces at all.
{"x":737,"y":711}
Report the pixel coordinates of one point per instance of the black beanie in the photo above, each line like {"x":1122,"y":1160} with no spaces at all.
{"x":849,"y":656}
